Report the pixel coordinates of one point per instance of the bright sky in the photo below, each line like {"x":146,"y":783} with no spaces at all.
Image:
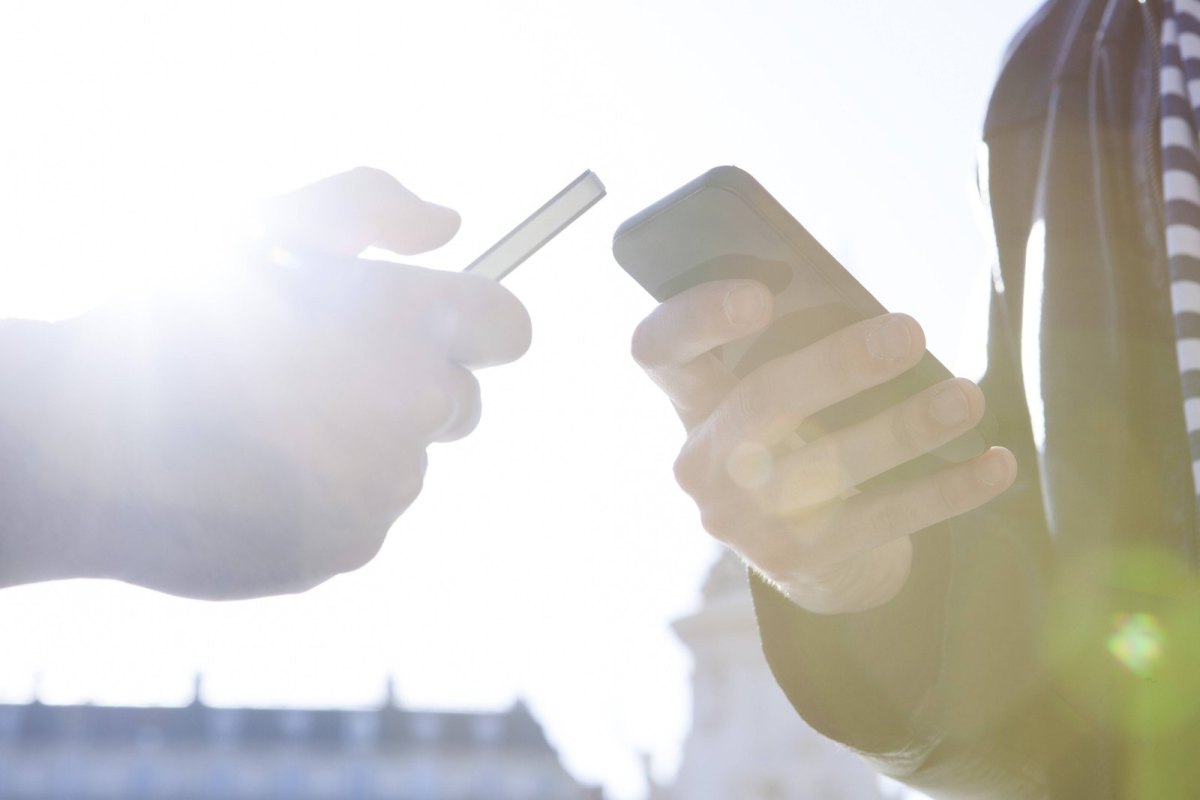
{"x":550,"y":550}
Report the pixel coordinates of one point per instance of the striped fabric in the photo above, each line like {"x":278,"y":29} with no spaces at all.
{"x":1181,"y":191}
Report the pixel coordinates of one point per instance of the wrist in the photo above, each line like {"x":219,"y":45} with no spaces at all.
{"x":864,"y":583}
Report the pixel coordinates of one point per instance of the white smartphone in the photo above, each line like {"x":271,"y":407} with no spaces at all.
{"x":540,"y":227}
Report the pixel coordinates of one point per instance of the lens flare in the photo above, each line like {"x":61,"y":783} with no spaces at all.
{"x":281,"y":257}
{"x":750,"y":465}
{"x":1137,"y":642}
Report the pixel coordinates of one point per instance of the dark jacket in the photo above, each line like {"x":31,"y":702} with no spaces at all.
{"x":1047,"y":645}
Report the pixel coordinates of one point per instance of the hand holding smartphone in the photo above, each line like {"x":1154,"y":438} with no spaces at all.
{"x":725,"y":225}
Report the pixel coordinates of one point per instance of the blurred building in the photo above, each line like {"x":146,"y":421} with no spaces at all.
{"x":746,"y":741}
{"x":199,"y":752}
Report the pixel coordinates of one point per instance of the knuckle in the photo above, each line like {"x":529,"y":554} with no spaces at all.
{"x":909,"y":433}
{"x":720,"y":524}
{"x":851,"y":362}
{"x":431,"y":407}
{"x":750,"y":465}
{"x":754,"y":402}
{"x":826,"y":473}
{"x":352,"y":538}
{"x":461,"y":405}
{"x":848,"y":361}
{"x":691,"y":468}
{"x":393,"y":491}
{"x":372,"y":177}
{"x":702,"y":471}
{"x":842,"y":356}
{"x":361,"y":548}
{"x":768,"y":552}
{"x":790,"y":555}
{"x":954,"y":494}
{"x":412,"y":480}
{"x":816,"y":476}
{"x":643,"y":344}
{"x":891,"y":518}
{"x":387,"y":494}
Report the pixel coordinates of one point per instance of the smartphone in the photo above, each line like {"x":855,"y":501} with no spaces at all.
{"x":725,"y":225}
{"x":539,"y":227}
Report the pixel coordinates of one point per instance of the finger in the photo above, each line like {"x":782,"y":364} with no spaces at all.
{"x":477,"y":321}
{"x":699,"y":319}
{"x":869,"y":520}
{"x":674,"y":343}
{"x":827,"y":468}
{"x":441,"y":403}
{"x":464,"y":405}
{"x":771,"y":402}
{"x":456,"y":316}
{"x":346,"y":213}
{"x":427,"y":399}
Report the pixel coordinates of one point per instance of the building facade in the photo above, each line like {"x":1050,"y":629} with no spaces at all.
{"x":746,"y":742}
{"x":198,"y":752}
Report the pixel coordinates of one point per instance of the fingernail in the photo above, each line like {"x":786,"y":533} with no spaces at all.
{"x":890,"y":340}
{"x":994,"y":469}
{"x":950,"y":407}
{"x":744,"y":304}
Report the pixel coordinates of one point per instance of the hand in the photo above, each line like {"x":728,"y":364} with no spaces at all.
{"x":796,"y":517}
{"x":262,"y":436}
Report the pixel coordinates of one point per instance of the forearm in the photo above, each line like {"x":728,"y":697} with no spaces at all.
{"x":75,"y":449}
{"x":39,"y":519}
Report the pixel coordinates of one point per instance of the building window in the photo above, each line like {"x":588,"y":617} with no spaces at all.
{"x":359,"y":782}
{"x":224,"y":725}
{"x":295,"y":723}
{"x":220,"y":781}
{"x":289,"y":781}
{"x":426,"y":727}
{"x":487,"y":785}
{"x":487,"y":729}
{"x":10,"y":724}
{"x":360,"y":729}
{"x":143,"y":781}
{"x":423,"y":783}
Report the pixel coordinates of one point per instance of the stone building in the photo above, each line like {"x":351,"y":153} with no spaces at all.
{"x":746,"y":742}
{"x":199,"y":752}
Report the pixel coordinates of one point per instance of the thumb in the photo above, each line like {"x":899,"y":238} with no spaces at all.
{"x":346,"y":213}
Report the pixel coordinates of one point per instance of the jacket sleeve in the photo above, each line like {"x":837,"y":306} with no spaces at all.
{"x":938,"y":689}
